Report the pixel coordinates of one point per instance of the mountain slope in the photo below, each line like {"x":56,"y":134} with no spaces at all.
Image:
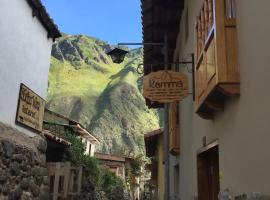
{"x":105,"y":97}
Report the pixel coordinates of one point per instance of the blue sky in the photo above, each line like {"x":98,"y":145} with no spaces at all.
{"x":110,"y":20}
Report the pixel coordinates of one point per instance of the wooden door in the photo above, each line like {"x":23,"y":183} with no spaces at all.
{"x":208,"y":174}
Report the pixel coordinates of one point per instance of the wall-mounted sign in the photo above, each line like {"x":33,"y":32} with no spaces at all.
{"x":165,"y":86}
{"x":30,"y":110}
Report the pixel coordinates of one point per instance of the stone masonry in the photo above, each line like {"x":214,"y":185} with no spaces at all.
{"x":23,"y":172}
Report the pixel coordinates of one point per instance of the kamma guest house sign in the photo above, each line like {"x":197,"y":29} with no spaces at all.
{"x":30,"y":110}
{"x":165,"y":86}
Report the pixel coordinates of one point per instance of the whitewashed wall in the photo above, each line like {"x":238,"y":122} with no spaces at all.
{"x":243,"y":127}
{"x":24,"y":57}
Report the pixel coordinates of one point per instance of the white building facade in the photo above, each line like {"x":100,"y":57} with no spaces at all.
{"x":27,"y":35}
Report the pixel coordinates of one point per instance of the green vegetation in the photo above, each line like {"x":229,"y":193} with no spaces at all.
{"x":105,"y":97}
{"x":137,"y":164}
{"x":95,"y":179}
{"x":113,"y":186}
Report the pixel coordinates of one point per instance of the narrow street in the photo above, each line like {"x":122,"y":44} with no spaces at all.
{"x":134,"y":100}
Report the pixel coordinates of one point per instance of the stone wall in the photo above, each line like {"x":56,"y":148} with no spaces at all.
{"x":23,"y":172}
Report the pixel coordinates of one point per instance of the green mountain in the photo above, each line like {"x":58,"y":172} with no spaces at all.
{"x":85,"y":85}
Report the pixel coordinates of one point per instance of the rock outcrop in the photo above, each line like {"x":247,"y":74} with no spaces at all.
{"x":88,"y":87}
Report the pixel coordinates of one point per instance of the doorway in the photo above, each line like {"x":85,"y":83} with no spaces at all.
{"x":208,"y":172}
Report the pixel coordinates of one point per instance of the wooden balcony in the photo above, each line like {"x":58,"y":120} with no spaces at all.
{"x":217,"y":69}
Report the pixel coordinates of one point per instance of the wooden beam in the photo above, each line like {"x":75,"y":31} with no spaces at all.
{"x":209,"y":146}
{"x":215,"y":105}
{"x":204,"y":115}
{"x":230,"y":89}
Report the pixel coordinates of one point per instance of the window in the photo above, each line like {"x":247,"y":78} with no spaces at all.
{"x":90,"y":146}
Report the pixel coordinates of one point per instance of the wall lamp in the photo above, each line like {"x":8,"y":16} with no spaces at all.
{"x":118,"y":54}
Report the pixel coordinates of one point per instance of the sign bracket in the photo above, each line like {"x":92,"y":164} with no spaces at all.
{"x":183,"y":62}
{"x":140,"y":69}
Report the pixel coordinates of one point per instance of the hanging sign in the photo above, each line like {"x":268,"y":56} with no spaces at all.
{"x":165,"y":86}
{"x":30,"y":110}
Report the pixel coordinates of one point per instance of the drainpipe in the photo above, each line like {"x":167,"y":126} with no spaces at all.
{"x":166,"y":135}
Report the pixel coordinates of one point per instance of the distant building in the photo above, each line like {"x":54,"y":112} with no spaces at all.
{"x":121,"y":167}
{"x":154,"y":150}
{"x":113,"y":163}
{"x":58,"y":125}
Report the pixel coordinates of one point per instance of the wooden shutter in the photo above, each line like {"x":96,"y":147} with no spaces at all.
{"x":174,"y":129}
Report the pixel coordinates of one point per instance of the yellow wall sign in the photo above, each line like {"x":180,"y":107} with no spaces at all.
{"x":30,"y":110}
{"x":165,"y":86}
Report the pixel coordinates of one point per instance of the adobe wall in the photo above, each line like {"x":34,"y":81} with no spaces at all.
{"x":242,"y":129}
{"x":25,"y":57}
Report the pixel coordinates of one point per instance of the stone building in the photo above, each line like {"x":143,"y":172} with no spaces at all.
{"x":113,"y":163}
{"x":224,"y":122}
{"x":121,"y":166}
{"x":27,"y":35}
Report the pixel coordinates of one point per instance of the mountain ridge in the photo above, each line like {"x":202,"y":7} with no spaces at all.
{"x":85,"y":85}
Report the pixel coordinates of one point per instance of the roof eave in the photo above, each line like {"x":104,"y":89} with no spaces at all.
{"x":39,"y":11}
{"x":159,"y":17}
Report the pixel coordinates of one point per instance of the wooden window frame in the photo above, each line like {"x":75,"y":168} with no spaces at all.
{"x":90,"y":148}
{"x":216,"y":72}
